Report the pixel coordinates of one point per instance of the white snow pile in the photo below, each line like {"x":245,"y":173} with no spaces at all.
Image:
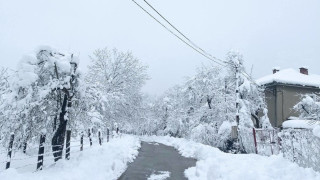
{"x":291,"y":76}
{"x":299,"y":124}
{"x":213,"y":164}
{"x":108,"y":161}
{"x":161,"y":175}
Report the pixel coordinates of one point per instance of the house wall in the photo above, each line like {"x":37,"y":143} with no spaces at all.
{"x":271,"y":103}
{"x":281,"y":99}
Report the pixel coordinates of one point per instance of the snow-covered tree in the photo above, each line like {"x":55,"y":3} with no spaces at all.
{"x":4,"y":84}
{"x":3,"y":80}
{"x":40,"y":98}
{"x":115,"y":80}
{"x":203,"y":108}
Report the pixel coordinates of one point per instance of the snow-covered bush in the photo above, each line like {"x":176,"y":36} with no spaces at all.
{"x":206,"y":134}
{"x":309,"y":107}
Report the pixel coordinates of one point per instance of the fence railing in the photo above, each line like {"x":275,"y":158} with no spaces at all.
{"x":297,"y":145}
{"x":266,"y":142}
{"x":44,"y":155}
{"x":301,"y":146}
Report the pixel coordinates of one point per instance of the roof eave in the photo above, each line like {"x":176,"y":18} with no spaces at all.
{"x":275,"y":83}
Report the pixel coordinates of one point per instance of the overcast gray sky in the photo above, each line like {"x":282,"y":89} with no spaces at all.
{"x":268,"y":33}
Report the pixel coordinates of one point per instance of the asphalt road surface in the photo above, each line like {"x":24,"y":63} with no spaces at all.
{"x":154,"y":158}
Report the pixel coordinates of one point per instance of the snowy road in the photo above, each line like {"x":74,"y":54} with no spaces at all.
{"x":156,"y":162}
{"x":213,"y":164}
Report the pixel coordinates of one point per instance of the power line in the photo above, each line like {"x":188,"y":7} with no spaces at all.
{"x":203,"y":54}
{"x":191,"y":42}
{"x":249,"y":78}
{"x":192,"y":45}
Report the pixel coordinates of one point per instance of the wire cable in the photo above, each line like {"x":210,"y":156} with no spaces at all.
{"x":192,"y":45}
{"x":203,"y":54}
{"x":188,"y":39}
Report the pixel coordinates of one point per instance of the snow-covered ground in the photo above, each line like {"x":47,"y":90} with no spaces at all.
{"x":108,"y":161}
{"x":213,"y":164}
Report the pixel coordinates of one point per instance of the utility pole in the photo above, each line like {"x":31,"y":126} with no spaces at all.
{"x":237,"y":103}
{"x":237,"y":96}
{"x":225,"y":97}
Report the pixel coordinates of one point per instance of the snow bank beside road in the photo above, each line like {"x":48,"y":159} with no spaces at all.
{"x":213,"y":164}
{"x":108,"y":161}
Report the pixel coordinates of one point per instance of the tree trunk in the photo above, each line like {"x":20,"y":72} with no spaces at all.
{"x":25,"y":146}
{"x":55,"y":122}
{"x":59,"y":135}
{"x":209,"y":102}
{"x":256,"y":119}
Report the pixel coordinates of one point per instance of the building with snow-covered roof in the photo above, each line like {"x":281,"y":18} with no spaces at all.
{"x":283,"y":90}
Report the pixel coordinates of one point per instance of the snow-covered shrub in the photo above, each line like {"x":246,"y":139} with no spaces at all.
{"x":309,"y":107}
{"x":224,"y":134}
{"x":206,"y":134}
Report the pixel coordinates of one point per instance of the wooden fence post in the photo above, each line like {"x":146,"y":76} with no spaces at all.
{"x":89,"y":135}
{"x":108,"y":132}
{"x":100,"y":140}
{"x":81,"y":142}
{"x":68,"y":144}
{"x":10,"y":151}
{"x":25,"y":147}
{"x":255,"y":140}
{"x":41,"y":152}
